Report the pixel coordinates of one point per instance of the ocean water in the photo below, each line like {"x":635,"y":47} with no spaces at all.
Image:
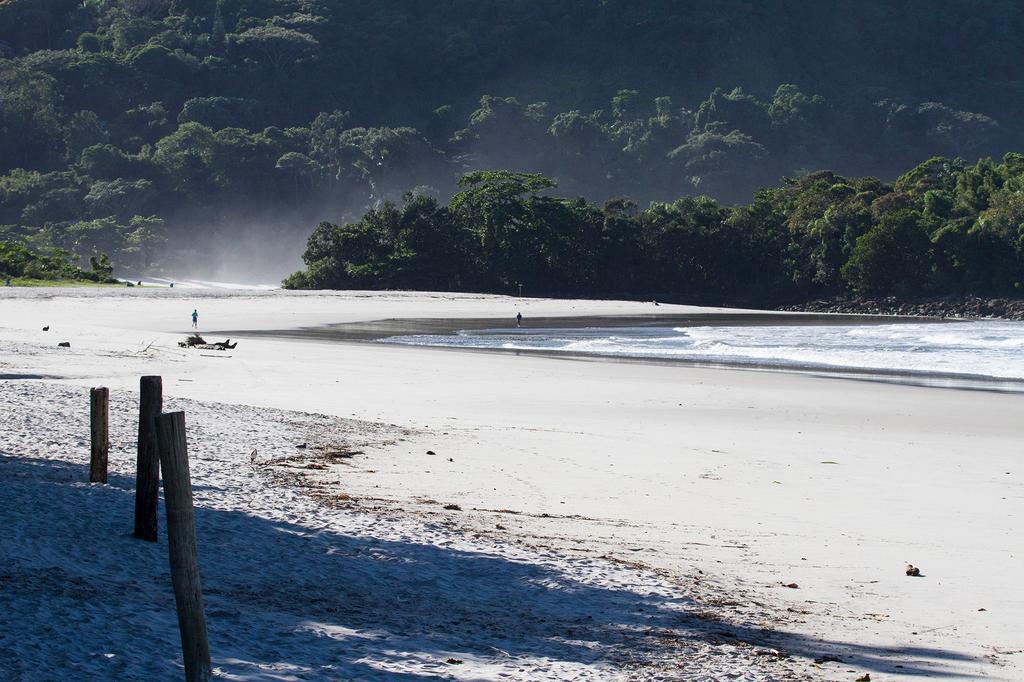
{"x":983,"y":349}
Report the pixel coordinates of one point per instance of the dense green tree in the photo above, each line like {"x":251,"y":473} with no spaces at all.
{"x":35,"y":24}
{"x":20,"y":260}
{"x":108,"y":162}
{"x":278,"y":47}
{"x":300,"y":168}
{"x":820,"y":234}
{"x":218,"y":29}
{"x":52,"y":206}
{"x":187,"y":155}
{"x":733,"y":111}
{"x":84,"y":130}
{"x":891,"y":258}
{"x":222,"y":112}
{"x":498,"y":205}
{"x":90,"y":238}
{"x":145,"y":237}
{"x":120,"y":197}
{"x":652,"y":100}
{"x":30,"y":121}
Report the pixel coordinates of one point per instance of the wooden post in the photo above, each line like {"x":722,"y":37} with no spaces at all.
{"x":147,"y":463}
{"x":181,"y":541}
{"x":99,"y":408}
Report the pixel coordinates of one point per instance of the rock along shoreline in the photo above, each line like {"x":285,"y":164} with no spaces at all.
{"x":970,"y":307}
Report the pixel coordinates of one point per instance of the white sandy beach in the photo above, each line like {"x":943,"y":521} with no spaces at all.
{"x":618,"y":520}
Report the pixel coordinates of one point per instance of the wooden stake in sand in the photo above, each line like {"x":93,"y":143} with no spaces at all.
{"x":181,"y":541}
{"x":99,"y":408}
{"x":147,"y":463}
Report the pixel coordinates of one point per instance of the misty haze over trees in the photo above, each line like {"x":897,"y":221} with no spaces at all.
{"x":171,"y":132}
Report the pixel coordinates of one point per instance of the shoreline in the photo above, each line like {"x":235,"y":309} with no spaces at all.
{"x":378,"y":331}
{"x":957,"y":307}
{"x":375,"y":330}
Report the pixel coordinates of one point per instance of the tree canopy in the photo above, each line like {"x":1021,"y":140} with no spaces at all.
{"x":240,"y":121}
{"x":943,"y":227}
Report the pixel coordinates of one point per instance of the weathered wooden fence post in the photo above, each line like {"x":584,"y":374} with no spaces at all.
{"x":99,"y":409}
{"x":181,"y":541}
{"x":147,"y":463}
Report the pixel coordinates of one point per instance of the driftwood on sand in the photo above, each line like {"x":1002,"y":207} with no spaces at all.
{"x":196,"y":341}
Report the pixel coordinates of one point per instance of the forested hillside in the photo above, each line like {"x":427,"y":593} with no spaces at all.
{"x":180,"y":133}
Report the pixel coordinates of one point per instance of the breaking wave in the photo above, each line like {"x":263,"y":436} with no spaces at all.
{"x":981,"y":349}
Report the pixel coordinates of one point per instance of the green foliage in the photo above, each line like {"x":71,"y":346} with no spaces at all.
{"x":120,"y":197}
{"x":217,"y":115}
{"x":89,"y":238}
{"x":89,"y":42}
{"x":100,"y":267}
{"x":892,"y":257}
{"x":18,"y":260}
{"x":142,"y":240}
{"x":84,"y":130}
{"x":218,"y":30}
{"x":107,"y":162}
{"x":275,"y":46}
{"x":30,"y":120}
{"x":820,"y":234}
{"x":221,"y":112}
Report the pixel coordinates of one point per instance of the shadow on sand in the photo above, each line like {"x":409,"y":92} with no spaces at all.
{"x":80,"y":597}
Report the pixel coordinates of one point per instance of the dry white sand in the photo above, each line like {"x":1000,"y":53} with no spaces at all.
{"x":732,"y":482}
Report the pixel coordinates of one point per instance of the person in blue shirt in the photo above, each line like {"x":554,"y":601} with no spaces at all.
{"x":195,"y":319}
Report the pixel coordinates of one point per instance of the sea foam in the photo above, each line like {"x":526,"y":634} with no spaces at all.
{"x":979,"y":349}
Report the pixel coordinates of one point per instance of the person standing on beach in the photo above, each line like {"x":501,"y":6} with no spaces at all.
{"x":195,"y":319}
{"x":519,"y":319}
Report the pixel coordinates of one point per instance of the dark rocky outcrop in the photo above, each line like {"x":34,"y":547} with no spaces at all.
{"x":969,"y":307}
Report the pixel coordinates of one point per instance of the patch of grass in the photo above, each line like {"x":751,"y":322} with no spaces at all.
{"x":64,"y":283}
